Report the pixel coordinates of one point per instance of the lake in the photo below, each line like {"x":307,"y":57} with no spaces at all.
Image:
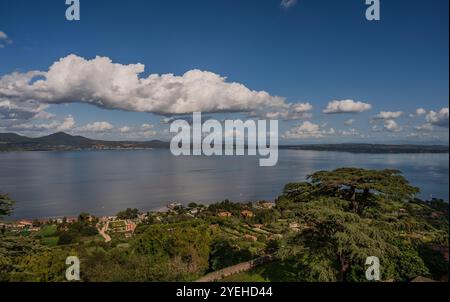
{"x":55,"y":184}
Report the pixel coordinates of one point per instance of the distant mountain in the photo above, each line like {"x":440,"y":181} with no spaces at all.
{"x":13,"y":138}
{"x":61,"y":138}
{"x":64,"y":141}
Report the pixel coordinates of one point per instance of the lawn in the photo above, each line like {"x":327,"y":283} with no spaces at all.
{"x":50,"y":241}
{"x":117,"y":224}
{"x":91,"y":240}
{"x":47,"y":231}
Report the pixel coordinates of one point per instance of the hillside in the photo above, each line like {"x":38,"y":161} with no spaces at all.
{"x":64,"y":141}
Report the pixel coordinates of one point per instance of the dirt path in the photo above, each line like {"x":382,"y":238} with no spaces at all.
{"x":102,"y":232}
{"x":235,"y":269}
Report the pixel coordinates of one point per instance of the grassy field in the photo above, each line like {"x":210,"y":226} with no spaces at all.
{"x":47,"y":231}
{"x":50,"y":241}
{"x":117,"y":224}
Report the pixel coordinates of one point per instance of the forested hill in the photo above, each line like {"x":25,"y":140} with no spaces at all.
{"x":64,"y":141}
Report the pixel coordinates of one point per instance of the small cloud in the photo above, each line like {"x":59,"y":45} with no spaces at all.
{"x":289,"y":112}
{"x":388,"y":115}
{"x":439,"y":118}
{"x":143,"y":131}
{"x":308,"y":130}
{"x":125,"y":129}
{"x":97,"y":127}
{"x":167,"y":120}
{"x":4,"y":39}
{"x":349,"y":122}
{"x":392,"y":126}
{"x":44,"y":115}
{"x":418,"y":112}
{"x":67,"y":124}
{"x":350,"y":132}
{"x":346,"y":106}
{"x":422,"y":135}
{"x":424,"y":127}
{"x":146,"y":127}
{"x":147,"y":134}
{"x":288,"y":3}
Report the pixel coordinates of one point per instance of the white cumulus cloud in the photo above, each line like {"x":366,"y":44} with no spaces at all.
{"x":97,"y":127}
{"x":147,"y":126}
{"x":392,"y":126}
{"x":307,"y":130}
{"x":439,"y":118}
{"x":10,"y":110}
{"x":143,"y":131}
{"x":418,"y":112}
{"x":292,"y":111}
{"x":67,"y":124}
{"x":103,"y":83}
{"x":125,"y":129}
{"x":388,"y":115}
{"x":346,"y":106}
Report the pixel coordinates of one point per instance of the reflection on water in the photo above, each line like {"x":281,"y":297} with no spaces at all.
{"x":48,"y":184}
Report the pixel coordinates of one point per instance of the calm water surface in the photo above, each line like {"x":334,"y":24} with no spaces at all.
{"x":52,"y":184}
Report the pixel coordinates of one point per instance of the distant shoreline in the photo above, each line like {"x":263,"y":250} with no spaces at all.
{"x":372,"y":148}
{"x":11,"y":142}
{"x":7,"y":219}
{"x":330,"y":148}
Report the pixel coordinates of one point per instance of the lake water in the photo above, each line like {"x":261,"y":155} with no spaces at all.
{"x":52,"y":184}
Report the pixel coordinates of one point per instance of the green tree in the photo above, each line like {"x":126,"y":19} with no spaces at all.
{"x":6,"y":205}
{"x":225,"y":252}
{"x":181,"y":250}
{"x":84,"y":217}
{"x":333,"y":240}
{"x":192,"y":205}
{"x":128,"y":214}
{"x":45,"y":266}
{"x":363,"y":187}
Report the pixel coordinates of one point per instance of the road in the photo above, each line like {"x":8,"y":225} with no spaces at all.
{"x":102,"y":231}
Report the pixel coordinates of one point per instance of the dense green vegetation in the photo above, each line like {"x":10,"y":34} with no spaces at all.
{"x":322,"y":229}
{"x":128,"y":214}
{"x":5,"y":205}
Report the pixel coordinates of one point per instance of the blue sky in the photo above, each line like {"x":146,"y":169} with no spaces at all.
{"x":313,"y":52}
